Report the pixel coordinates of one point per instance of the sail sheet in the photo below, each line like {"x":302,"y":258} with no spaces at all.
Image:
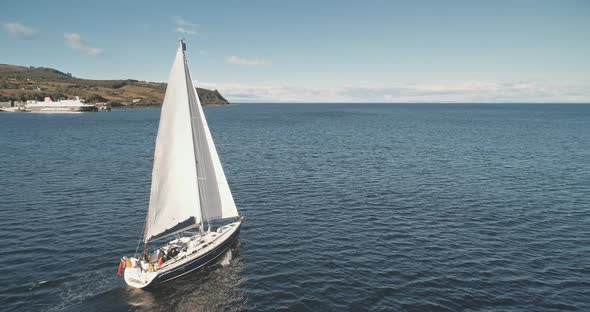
{"x":174,"y":199}
{"x":217,"y":201}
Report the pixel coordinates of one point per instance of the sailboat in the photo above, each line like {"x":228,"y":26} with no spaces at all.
{"x":190,"y":199}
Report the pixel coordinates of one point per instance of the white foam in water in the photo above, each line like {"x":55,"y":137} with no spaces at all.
{"x":139,"y":298}
{"x":226,"y":258}
{"x":37,"y":284}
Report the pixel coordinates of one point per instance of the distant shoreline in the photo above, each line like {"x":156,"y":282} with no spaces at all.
{"x":23,"y":83}
{"x":160,"y":106}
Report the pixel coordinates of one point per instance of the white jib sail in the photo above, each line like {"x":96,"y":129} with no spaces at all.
{"x":174,"y":199}
{"x":217,"y":201}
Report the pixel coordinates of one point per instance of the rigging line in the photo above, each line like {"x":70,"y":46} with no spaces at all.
{"x":140,"y":238}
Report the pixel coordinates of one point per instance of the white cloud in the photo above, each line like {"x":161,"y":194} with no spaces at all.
{"x":182,"y":22}
{"x":185,"y":27}
{"x":246,"y":62}
{"x":182,"y":30}
{"x":74,"y":41}
{"x":19,"y":30}
{"x":454,"y":92}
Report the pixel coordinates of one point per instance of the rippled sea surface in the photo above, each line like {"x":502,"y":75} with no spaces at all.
{"x":347,"y":207}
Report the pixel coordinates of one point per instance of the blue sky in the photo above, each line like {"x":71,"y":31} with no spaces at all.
{"x":318,"y":51}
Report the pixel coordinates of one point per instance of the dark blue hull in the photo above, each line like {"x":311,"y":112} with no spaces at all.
{"x":198,"y":262}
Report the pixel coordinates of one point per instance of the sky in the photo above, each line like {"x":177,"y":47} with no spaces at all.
{"x":318,"y":51}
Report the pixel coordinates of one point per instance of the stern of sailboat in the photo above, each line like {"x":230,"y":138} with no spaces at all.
{"x":138,"y":278}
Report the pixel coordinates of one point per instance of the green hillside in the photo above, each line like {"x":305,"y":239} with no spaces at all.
{"x":23,"y":83}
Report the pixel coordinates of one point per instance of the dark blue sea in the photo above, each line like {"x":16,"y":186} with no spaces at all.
{"x":348,"y":207}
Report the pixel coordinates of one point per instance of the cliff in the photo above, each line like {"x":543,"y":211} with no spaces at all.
{"x":34,"y":83}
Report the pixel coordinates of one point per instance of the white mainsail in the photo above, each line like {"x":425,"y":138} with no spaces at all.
{"x":188,"y":183}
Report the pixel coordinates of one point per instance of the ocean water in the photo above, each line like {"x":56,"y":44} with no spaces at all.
{"x":347,"y":207}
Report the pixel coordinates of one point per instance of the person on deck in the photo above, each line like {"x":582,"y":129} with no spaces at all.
{"x":146,"y":255}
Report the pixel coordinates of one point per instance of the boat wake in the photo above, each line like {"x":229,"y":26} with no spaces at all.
{"x":86,"y":286}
